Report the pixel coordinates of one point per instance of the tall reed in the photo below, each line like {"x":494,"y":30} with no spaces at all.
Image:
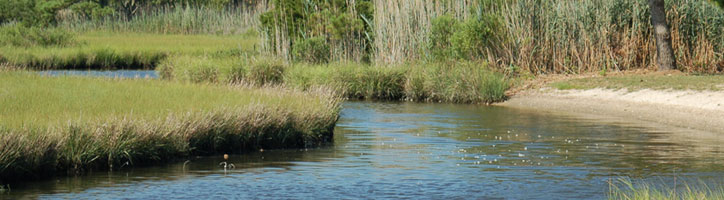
{"x":559,"y":36}
{"x":402,"y":27}
{"x":174,"y":19}
{"x":585,"y":36}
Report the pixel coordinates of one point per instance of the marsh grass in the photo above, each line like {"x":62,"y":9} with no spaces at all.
{"x":94,"y":123}
{"x":629,"y":190}
{"x":459,"y":82}
{"x":651,"y":81}
{"x":454,"y":82}
{"x":557,"y":36}
{"x":108,"y":50}
{"x":173,"y":19}
{"x":255,"y":70}
{"x":466,"y":82}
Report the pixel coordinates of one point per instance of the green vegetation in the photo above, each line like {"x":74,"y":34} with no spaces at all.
{"x":91,"y":123}
{"x":20,"y":36}
{"x":458,"y":82}
{"x":638,"y":82}
{"x":169,"y":19}
{"x":108,"y":50}
{"x":344,"y":27}
{"x":522,"y":36}
{"x":628,"y":190}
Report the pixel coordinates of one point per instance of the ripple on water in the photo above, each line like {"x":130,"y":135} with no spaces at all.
{"x":436,"y":151}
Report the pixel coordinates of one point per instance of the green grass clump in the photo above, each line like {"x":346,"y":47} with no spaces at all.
{"x":628,"y":190}
{"x":467,"y":82}
{"x":464,"y":82}
{"x":222,"y":69}
{"x":354,"y":80}
{"x":638,"y":82}
{"x":95,"y":123}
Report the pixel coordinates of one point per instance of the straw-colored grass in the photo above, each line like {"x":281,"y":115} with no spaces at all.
{"x":173,"y":19}
{"x":51,"y":125}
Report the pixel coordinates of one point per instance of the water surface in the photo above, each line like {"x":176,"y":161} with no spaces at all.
{"x":426,"y":151}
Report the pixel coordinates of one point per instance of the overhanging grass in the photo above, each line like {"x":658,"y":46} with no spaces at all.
{"x":112,"y":50}
{"x":638,"y":82}
{"x":59,"y":124}
{"x":626,"y":189}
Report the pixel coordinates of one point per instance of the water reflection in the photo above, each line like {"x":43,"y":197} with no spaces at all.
{"x":407,"y":150}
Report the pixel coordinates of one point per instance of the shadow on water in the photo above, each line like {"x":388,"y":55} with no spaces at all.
{"x":410,"y":150}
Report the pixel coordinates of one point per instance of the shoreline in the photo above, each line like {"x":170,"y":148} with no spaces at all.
{"x":688,"y":109}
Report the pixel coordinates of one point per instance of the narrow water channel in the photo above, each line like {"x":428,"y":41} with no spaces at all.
{"x":426,"y":151}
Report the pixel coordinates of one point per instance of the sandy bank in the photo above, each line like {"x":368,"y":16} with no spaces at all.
{"x":701,"y":110}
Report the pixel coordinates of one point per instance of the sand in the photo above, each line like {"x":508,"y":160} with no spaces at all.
{"x":700,"y":110}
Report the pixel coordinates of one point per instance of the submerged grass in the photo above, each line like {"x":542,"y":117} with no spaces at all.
{"x":94,"y":123}
{"x":113,"y":50}
{"x":651,"y":81}
{"x":629,"y":190}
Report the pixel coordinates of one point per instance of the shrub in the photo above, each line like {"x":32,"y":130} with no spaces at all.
{"x":313,"y":50}
{"x":21,"y":36}
{"x":91,"y":10}
{"x":443,"y":27}
{"x":476,"y":35}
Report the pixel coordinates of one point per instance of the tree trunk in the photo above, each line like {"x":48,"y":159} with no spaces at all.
{"x":664,"y":52}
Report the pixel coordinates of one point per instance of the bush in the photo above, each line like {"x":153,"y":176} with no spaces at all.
{"x":21,"y":36}
{"x":313,"y":50}
{"x":91,"y":10}
{"x":443,"y":27}
{"x":476,"y":35}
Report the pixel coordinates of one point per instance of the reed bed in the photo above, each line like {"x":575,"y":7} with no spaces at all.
{"x":591,"y":36}
{"x":629,"y":190}
{"x":173,"y":19}
{"x":94,"y":123}
{"x":559,"y":36}
{"x":402,"y":27}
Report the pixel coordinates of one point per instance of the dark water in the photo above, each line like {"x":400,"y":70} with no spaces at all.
{"x":426,"y":151}
{"x":111,"y":73}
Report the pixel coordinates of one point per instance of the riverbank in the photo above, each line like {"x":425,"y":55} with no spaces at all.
{"x":693,"y":102}
{"x":57,"y":125}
